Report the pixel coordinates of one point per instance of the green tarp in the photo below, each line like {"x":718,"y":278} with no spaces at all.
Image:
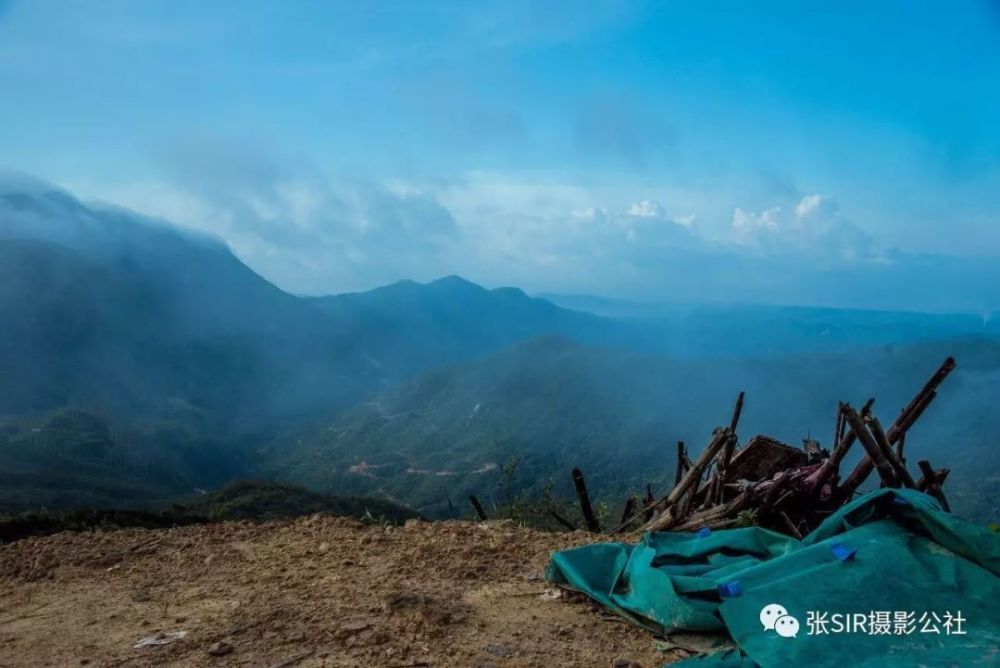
{"x":888,"y":580}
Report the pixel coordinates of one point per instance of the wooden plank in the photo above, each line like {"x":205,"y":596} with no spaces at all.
{"x":762,"y":457}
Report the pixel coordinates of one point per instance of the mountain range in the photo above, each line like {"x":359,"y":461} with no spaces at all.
{"x":140,"y":362}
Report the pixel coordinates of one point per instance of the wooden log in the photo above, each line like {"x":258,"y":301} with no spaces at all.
{"x":737,"y":411}
{"x":716,"y":485}
{"x":907,"y":417}
{"x":859,"y":427}
{"x":867,"y":408}
{"x":931,"y":476}
{"x":722,"y":469}
{"x":703,"y":518}
{"x":898,"y":468}
{"x":648,"y":502}
{"x":729,"y":447}
{"x":830,"y":468}
{"x":838,"y":428}
{"x":691,"y":477}
{"x":629,"y":508}
{"x":686,"y":505}
{"x":714,"y":523}
{"x":931,"y":482}
{"x":711,"y":517}
{"x":710,"y":493}
{"x":681,"y":462}
{"x":928,"y":475}
{"x":777,"y":486}
{"x":930,"y":386}
{"x":847,"y":439}
{"x":589,"y":519}
{"x":478,"y":507}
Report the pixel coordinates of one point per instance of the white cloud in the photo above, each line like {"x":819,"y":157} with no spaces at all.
{"x":313,"y":234}
{"x":647,"y":209}
{"x":310,"y":232}
{"x":749,"y":228}
{"x":807,"y":204}
{"x":813,"y":226}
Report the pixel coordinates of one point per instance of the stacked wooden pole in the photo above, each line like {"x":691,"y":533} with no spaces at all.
{"x":795,"y":499}
{"x":771,"y":484}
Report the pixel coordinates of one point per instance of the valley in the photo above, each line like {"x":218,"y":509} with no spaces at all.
{"x":143,"y":364}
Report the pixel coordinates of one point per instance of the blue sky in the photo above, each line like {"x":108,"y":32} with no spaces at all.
{"x":612,"y":148}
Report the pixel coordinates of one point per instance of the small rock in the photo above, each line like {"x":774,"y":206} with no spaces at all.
{"x":503,"y":651}
{"x":323,"y":547}
{"x":220,"y":648}
{"x":348,"y":631}
{"x":622,"y":662}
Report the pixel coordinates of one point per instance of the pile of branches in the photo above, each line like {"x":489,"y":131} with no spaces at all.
{"x":770,"y":484}
{"x":780,"y":487}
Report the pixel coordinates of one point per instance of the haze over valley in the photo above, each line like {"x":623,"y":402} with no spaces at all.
{"x":143,"y":364}
{"x":396,"y":254}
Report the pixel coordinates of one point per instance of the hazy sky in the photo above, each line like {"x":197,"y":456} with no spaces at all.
{"x":760,"y":151}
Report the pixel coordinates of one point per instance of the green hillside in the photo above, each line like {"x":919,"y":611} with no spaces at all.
{"x":238,"y":501}
{"x":553,"y":405}
{"x":140,"y":362}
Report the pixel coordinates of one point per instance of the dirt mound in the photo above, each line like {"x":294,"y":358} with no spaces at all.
{"x":318,"y":591}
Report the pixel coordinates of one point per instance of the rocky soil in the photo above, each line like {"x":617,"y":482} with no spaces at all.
{"x":317,"y":591}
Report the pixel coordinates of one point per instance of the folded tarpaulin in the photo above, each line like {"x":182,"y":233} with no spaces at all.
{"x":888,"y":580}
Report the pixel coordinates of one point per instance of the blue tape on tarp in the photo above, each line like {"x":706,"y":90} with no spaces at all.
{"x":704,"y":531}
{"x":731,"y":589}
{"x":843,"y":552}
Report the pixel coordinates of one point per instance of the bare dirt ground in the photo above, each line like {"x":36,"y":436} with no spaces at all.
{"x":317,"y":591}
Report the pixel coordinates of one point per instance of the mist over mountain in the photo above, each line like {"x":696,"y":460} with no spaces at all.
{"x":134,"y":315}
{"x":410,"y":327}
{"x":553,"y":405}
{"x":141,"y":361}
{"x":108,"y":308}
